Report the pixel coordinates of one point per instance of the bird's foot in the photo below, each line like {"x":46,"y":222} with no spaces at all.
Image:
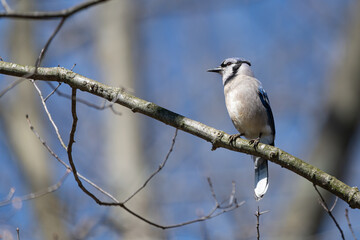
{"x":255,"y":142}
{"x":232,"y":138}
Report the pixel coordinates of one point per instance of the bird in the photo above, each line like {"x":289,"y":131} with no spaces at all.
{"x":249,"y":108}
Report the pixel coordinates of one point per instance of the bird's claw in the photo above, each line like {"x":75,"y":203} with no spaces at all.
{"x":232,"y":138}
{"x":255,"y":142}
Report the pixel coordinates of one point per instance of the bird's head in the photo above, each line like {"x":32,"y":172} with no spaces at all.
{"x":231,"y":67}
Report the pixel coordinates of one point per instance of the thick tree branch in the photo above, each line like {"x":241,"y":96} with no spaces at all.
{"x":351,"y":195}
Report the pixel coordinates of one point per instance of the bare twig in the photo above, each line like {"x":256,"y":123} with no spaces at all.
{"x":52,"y":92}
{"x":18,"y":233}
{"x":210,"y":215}
{"x":161,"y":166}
{"x":9,"y":196}
{"x":49,"y":115}
{"x":37,"y":194}
{"x":349,"y":223}
{"x":232,"y":199}
{"x":11,"y":86}
{"x":103,"y":106}
{"x":6,"y":6}
{"x":65,"y":165}
{"x":232,"y":195}
{"x":213,"y":192}
{"x":48,"y":190}
{"x":334,"y":204}
{"x":329,"y":211}
{"x":51,"y":15}
{"x":72,"y":68}
{"x":217,"y":206}
{"x":258,"y":214}
{"x":47,"y":44}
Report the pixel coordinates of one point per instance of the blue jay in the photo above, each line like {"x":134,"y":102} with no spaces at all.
{"x":249,"y":109}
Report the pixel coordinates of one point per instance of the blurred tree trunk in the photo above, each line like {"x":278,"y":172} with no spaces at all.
{"x":28,"y":150}
{"x":125,"y":166}
{"x":331,"y":152}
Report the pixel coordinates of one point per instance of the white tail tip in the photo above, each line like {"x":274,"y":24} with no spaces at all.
{"x":261,"y":177}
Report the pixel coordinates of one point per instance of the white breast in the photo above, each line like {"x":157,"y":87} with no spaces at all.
{"x":245,"y":107}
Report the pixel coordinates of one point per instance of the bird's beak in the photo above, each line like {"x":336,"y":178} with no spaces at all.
{"x":215,"y":70}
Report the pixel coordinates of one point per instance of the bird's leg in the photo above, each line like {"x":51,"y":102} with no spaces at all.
{"x":232,"y":138}
{"x":255,"y":141}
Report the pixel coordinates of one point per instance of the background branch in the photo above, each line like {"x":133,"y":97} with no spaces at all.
{"x":10,"y":198}
{"x":122,"y":204}
{"x":50,"y":15}
{"x":161,"y":166}
{"x":351,"y":195}
{"x":349,"y":223}
{"x":329,"y":211}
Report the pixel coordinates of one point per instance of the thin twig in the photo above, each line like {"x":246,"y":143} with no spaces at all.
{"x":161,"y":166}
{"x":48,"y":190}
{"x":209,"y":216}
{"x":103,"y":106}
{"x":49,"y":115}
{"x":51,"y":15}
{"x":213,"y":192}
{"x":52,"y":92}
{"x":257,"y":214}
{"x":334,"y":204}
{"x":72,"y":68}
{"x":232,"y":199}
{"x":10,"y":195}
{"x":18,"y":233}
{"x":232,"y":195}
{"x":47,"y":44}
{"x":11,"y":86}
{"x":349,"y":223}
{"x":65,"y":165}
{"x":6,"y":6}
{"x":326,"y":208}
{"x":37,"y":194}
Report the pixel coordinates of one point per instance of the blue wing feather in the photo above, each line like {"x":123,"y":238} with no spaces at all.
{"x":265,"y":101}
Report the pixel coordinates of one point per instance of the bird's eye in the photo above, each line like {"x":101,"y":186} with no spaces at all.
{"x":228,"y":63}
